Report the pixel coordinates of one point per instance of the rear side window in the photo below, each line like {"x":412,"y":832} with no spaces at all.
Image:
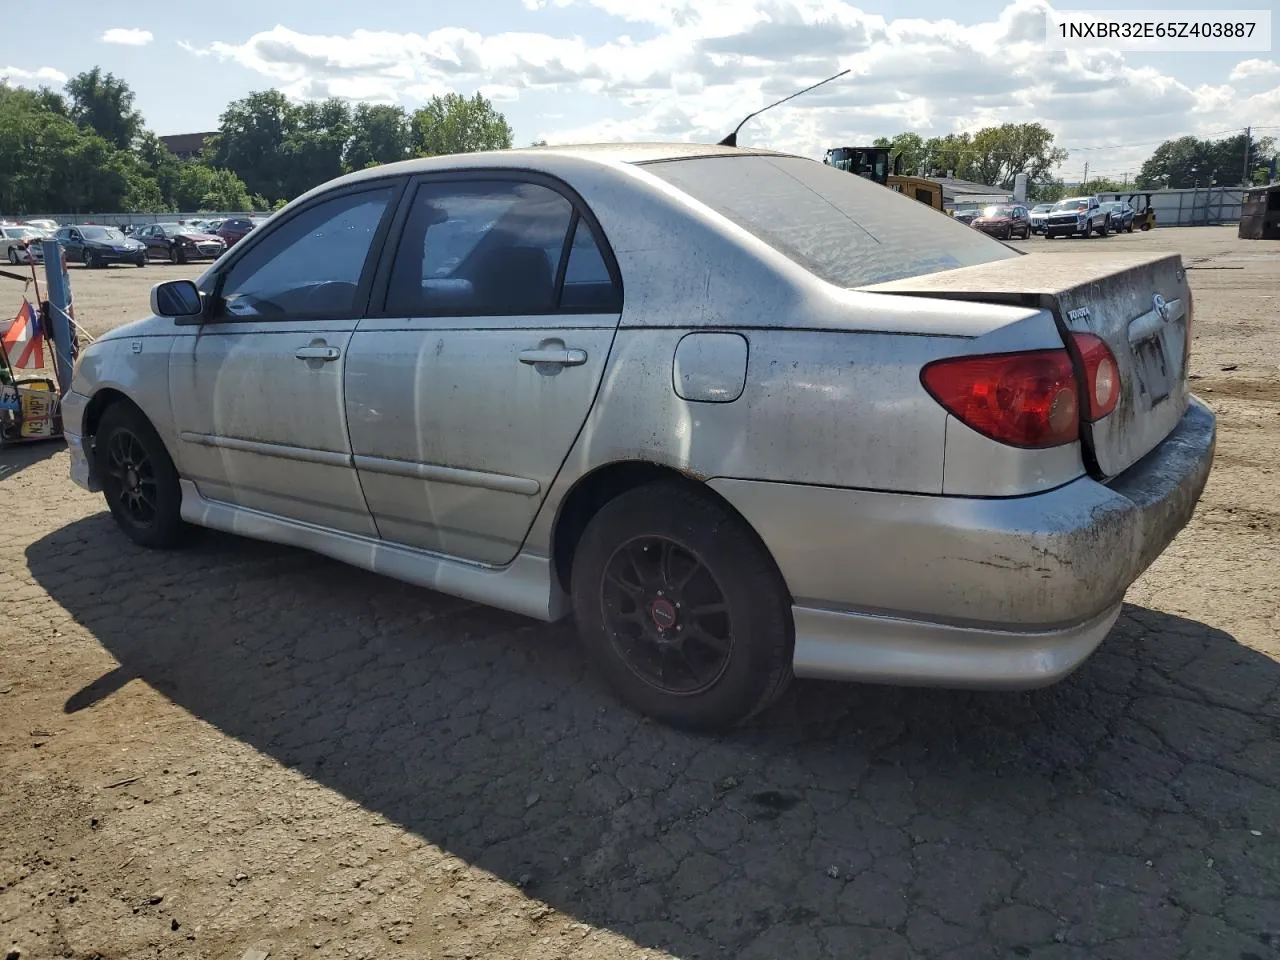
{"x":494,"y":248}
{"x":843,"y":228}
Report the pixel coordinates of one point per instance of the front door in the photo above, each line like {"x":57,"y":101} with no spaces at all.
{"x":258,"y":391}
{"x":466,"y":393}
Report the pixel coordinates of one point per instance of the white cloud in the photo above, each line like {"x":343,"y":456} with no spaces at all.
{"x":127,"y":36}
{"x":1247,"y":69}
{"x":40,"y":77}
{"x":703,"y":64}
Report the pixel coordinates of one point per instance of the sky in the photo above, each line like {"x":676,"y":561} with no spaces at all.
{"x":590,"y":70}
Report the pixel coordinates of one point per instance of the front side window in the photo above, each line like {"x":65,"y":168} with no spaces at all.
{"x":310,"y":265}
{"x":492,"y":248}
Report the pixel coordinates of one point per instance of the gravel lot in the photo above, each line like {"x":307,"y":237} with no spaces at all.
{"x":245,"y":746}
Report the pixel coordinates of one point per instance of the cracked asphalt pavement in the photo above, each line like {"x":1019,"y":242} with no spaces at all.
{"x":246,"y":746}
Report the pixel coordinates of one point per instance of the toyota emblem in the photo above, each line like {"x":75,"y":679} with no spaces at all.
{"x":1162,"y":307}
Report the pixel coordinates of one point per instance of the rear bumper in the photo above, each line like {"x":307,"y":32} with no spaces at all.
{"x":953,"y":591}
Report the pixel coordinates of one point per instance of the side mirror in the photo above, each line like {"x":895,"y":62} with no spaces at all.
{"x":176,"y":299}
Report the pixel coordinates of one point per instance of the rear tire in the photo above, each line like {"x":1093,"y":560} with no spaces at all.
{"x":139,"y":480}
{"x":682,"y":609}
{"x":90,"y":260}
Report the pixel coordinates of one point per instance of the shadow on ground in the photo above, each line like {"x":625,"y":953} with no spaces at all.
{"x":22,"y":456}
{"x":1112,"y":815}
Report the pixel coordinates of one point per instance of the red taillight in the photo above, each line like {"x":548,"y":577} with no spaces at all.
{"x":1023,"y":399}
{"x":1102,"y":376}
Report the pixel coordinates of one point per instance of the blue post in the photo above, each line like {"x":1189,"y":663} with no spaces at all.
{"x":58,"y":293}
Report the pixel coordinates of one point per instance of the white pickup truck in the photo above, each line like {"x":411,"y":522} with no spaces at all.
{"x":1077,"y":216}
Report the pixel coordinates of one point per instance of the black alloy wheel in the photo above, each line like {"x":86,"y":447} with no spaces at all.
{"x":681,"y":608}
{"x":139,"y":480}
{"x":666,"y":615}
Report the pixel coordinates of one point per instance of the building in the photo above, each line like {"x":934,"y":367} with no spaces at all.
{"x":186,"y":145}
{"x":967,"y":193}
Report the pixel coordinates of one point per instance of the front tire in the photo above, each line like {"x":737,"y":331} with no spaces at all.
{"x":682,"y":609}
{"x":13,"y":256}
{"x":139,"y":480}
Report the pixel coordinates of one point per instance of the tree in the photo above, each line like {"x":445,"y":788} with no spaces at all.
{"x":103,"y":103}
{"x":251,"y":141}
{"x":454,"y":124}
{"x":162,"y":166}
{"x":1105,"y":185}
{"x":910,"y":147}
{"x":1000,"y":153}
{"x":1190,"y":162}
{"x":949,"y":156}
{"x":226,"y":192}
{"x":379,"y":134}
{"x":313,"y":149}
{"x":49,"y":164}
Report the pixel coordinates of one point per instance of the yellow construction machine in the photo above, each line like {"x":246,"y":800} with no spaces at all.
{"x":874,"y":164}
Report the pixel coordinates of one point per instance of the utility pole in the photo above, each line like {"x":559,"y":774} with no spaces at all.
{"x":1248,"y":140}
{"x":1084,"y":187}
{"x":1125,"y":185}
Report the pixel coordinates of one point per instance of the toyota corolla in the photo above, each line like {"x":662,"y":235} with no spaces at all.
{"x":745,"y":416}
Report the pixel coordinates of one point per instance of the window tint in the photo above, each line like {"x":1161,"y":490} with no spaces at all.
{"x":845,"y":229}
{"x":479,"y":248}
{"x":310,"y":265}
{"x":587,"y":284}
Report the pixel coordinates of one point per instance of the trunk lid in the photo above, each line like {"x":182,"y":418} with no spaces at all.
{"x":1138,"y":304}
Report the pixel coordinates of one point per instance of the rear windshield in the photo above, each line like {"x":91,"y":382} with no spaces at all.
{"x":843,"y":228}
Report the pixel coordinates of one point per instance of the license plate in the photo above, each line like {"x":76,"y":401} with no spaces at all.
{"x":1152,"y":368}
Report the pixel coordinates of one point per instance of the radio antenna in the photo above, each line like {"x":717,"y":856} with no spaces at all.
{"x":732,"y":139}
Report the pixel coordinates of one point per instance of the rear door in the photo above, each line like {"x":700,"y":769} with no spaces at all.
{"x":464,"y":396}
{"x":258,"y":390}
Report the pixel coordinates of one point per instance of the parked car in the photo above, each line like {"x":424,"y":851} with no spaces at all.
{"x":98,"y":246}
{"x":178,"y":243}
{"x":1077,"y":216}
{"x":741,"y":413}
{"x":1121,"y":216}
{"x":46,"y":227}
{"x":234,"y":230}
{"x":1039,"y":213}
{"x":967,"y":215}
{"x":21,"y":243}
{"x":1004,"y":221}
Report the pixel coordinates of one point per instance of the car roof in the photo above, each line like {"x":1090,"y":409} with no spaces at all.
{"x":534,"y":157}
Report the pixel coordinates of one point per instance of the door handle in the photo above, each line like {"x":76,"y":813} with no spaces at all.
{"x":317,"y":353}
{"x":562,"y":356}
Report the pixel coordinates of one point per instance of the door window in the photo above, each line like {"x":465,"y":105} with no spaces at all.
{"x":587,"y":283}
{"x":310,"y":265}
{"x":493,"y":248}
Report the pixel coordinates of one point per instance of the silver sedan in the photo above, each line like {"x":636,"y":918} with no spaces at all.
{"x":744,"y":415}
